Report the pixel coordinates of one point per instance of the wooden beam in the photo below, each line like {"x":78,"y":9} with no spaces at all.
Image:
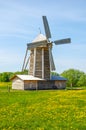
{"x":34,"y":64}
{"x":50,"y":59}
{"x":36,"y":44}
{"x":42,"y":63}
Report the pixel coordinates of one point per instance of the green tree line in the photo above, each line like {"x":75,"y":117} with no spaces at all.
{"x":6,"y":76}
{"x":75,"y":78}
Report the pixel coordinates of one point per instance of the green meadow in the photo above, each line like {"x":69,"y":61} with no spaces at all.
{"x":42,"y":110}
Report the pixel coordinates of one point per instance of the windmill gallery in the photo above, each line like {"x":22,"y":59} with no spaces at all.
{"x":40,"y":64}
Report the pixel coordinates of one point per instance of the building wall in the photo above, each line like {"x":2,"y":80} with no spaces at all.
{"x":45,"y":84}
{"x":28,"y":85}
{"x":60,"y":84}
{"x":53,"y":84}
{"x":17,"y":84}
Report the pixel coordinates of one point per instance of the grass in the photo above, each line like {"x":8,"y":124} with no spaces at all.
{"x":42,"y":110}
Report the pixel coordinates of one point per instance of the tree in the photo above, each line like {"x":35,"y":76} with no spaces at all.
{"x":73,"y":77}
{"x":54,"y":73}
{"x":82,"y":80}
{"x":5,"y":77}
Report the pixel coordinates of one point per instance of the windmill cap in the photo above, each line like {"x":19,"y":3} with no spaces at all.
{"x":40,"y":37}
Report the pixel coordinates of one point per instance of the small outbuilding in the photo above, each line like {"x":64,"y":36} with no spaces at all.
{"x":29,"y":82}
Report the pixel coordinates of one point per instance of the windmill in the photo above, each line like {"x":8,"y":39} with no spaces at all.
{"x":41,"y":61}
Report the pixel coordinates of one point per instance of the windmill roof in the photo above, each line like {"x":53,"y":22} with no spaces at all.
{"x":26,"y":77}
{"x":40,"y":37}
{"x":53,"y":77}
{"x":30,"y":77}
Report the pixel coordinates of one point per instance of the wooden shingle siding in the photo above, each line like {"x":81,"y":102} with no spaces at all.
{"x":39,"y":63}
{"x":46,"y":64}
{"x":38,"y":73}
{"x":31,"y":62}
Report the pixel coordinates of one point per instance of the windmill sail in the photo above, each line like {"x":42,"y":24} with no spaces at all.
{"x":27,"y":62}
{"x":62,"y":41}
{"x":24,"y":60}
{"x":52,"y":65}
{"x":46,"y":27}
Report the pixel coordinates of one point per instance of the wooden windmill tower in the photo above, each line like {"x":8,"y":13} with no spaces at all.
{"x":41,"y":60}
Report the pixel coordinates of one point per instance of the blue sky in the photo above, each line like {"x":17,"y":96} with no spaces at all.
{"x":19,"y":24}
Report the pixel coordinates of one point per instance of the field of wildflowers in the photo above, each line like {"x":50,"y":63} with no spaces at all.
{"x":42,"y":110}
